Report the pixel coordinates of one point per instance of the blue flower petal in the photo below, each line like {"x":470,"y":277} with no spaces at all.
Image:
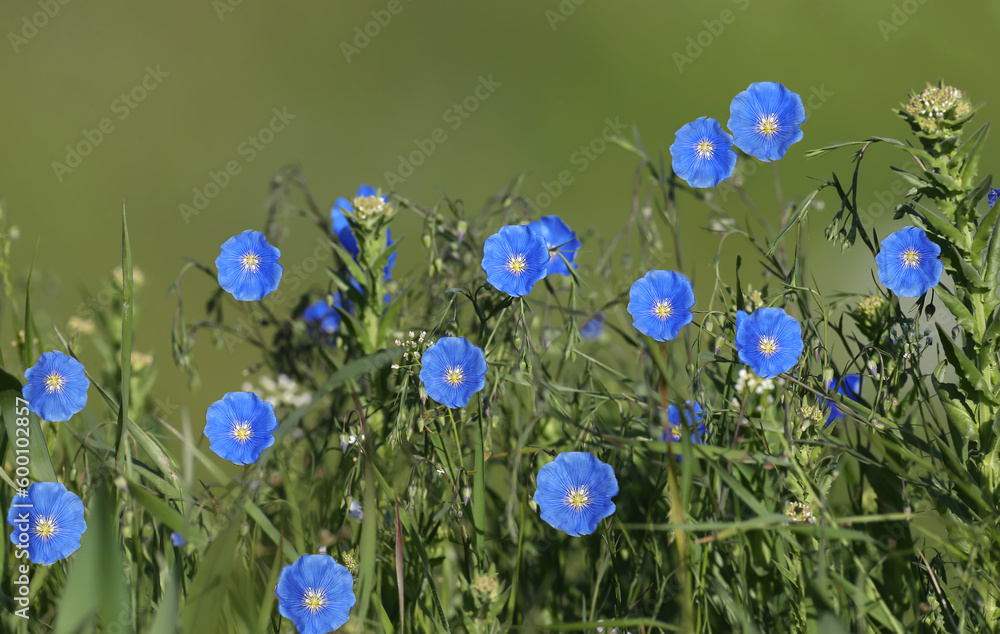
{"x":56,"y":387}
{"x":574,"y":492}
{"x":248,"y":266}
{"x":660,"y":304}
{"x":316,"y":594}
{"x":849,"y":386}
{"x":324,"y":313}
{"x":515,"y":258}
{"x":561,"y":241}
{"x":703,"y":153}
{"x":769,"y":341}
{"x":593,"y":328}
{"x":452,"y":370}
{"x":48,"y":522}
{"x":909,"y":263}
{"x":765,"y":120}
{"x":240,"y":426}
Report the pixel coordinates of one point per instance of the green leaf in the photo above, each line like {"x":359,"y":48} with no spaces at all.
{"x":126,"y":347}
{"x":348,"y":261}
{"x":968,"y":153}
{"x":966,"y":369}
{"x":954,"y":403}
{"x":959,"y":310}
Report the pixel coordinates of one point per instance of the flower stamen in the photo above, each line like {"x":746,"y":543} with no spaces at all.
{"x":516,"y":264}
{"x":663,"y":309}
{"x":454,"y":375}
{"x":910,"y":258}
{"x":704,"y":149}
{"x":767,"y":124}
{"x":241,"y":431}
{"x":767,"y":345}
{"x":250,"y":262}
{"x":578,"y":497}
{"x":45,"y":527}
{"x":314,"y":599}
{"x":54,"y":382}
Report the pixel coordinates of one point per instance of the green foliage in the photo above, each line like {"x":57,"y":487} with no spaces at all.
{"x":883,"y":521}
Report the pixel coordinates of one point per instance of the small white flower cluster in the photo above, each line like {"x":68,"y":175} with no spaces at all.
{"x":371,"y":207}
{"x":284,"y":391}
{"x":748,"y":384}
{"x":414,"y":344}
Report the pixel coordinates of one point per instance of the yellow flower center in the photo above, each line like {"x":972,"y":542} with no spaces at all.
{"x":767,"y":124}
{"x":45,"y":527}
{"x":910,"y":257}
{"x":578,"y":497}
{"x":241,"y":431}
{"x":454,"y":376}
{"x":675,"y":433}
{"x":662,"y":309}
{"x":54,"y":382}
{"x":314,"y":600}
{"x":250,"y":262}
{"x":517,"y":263}
{"x":767,"y":345}
{"x":704,"y":149}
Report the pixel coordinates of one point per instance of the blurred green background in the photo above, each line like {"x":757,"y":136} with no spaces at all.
{"x":559,"y":71}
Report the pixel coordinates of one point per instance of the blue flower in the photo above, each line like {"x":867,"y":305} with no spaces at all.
{"x":703,"y":153}
{"x":992,"y":197}
{"x":560,"y":239}
{"x":56,"y":387}
{"x":765,"y":120}
{"x":908,"y":263}
{"x":574,"y":492}
{"x":515,"y":259}
{"x":695,"y":426}
{"x":239,"y":427}
{"x":177,"y":539}
{"x":769,"y":341}
{"x":316,"y":594}
{"x":849,"y":386}
{"x":47,"y":521}
{"x":248,"y":266}
{"x":342,"y":226}
{"x":452,"y":370}
{"x":324,"y":312}
{"x":593,"y":328}
{"x":660,"y":304}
